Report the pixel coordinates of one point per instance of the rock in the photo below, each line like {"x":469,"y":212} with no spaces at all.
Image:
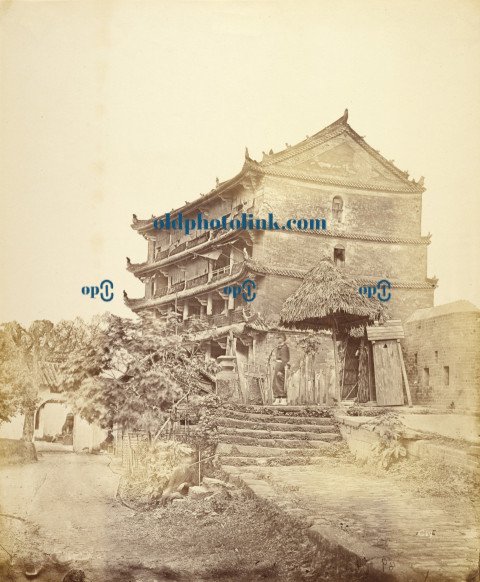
{"x":199,"y":492}
{"x":214,"y":483}
{"x":217,"y":484}
{"x":175,"y":495}
{"x":183,"y":488}
{"x":74,"y":576}
{"x":178,"y":500}
{"x":184,"y":473}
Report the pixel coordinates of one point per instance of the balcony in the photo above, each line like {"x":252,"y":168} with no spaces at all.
{"x":188,"y":244}
{"x":175,"y":288}
{"x":217,"y":275}
{"x":200,"y":280}
{"x":218,"y":320}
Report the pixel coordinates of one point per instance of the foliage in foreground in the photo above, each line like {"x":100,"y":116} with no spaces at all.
{"x":132,"y":372}
{"x":390,"y":430}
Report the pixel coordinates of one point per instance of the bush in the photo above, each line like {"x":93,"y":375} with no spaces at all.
{"x":155,"y":464}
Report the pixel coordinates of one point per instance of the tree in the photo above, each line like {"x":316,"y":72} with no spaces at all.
{"x":130,"y":372}
{"x":23,"y":354}
{"x":20,"y":376}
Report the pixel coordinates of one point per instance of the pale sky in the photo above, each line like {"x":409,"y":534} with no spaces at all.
{"x":110,"y":108}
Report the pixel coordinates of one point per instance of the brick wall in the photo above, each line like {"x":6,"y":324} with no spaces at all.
{"x":272,"y":290}
{"x":436,"y":343}
{"x":388,"y":213}
{"x":302,"y":251}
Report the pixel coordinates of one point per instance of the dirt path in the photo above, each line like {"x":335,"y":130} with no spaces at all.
{"x":433,"y":538}
{"x":62,"y":512}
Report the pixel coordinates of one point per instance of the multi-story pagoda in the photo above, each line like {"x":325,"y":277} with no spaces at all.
{"x":373,"y":215}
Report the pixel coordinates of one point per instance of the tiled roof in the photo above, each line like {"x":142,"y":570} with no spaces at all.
{"x":145,"y":267}
{"x":361,"y":280}
{"x":255,"y":267}
{"x":145,"y":225}
{"x":333,"y":130}
{"x":50,"y":374}
{"x":142,"y":303}
{"x":266,"y":167}
{"x":287,"y":173}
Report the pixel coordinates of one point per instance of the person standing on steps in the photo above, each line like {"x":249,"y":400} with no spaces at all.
{"x":282,"y":357}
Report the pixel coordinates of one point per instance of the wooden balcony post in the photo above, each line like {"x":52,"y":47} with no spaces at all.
{"x":185,"y":311}
{"x":232,"y":257}
{"x":209,"y":304}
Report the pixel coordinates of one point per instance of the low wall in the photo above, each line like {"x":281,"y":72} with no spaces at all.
{"x":360,"y":441}
{"x":16,"y":452}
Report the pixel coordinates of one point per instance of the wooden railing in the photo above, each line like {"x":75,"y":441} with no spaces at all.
{"x":187,"y":244}
{"x":200,"y":280}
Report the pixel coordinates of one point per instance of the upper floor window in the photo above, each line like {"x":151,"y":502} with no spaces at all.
{"x":337,"y":208}
{"x":339,"y":255}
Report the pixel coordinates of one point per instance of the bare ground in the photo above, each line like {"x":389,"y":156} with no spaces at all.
{"x":62,"y":513}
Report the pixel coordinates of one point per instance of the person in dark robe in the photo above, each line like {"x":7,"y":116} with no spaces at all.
{"x":282,"y":357}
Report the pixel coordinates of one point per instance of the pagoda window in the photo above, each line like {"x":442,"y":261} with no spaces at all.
{"x":339,"y":255}
{"x":337,"y":208}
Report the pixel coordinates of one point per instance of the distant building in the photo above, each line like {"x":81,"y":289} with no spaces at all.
{"x":54,"y":417}
{"x":442,"y":346}
{"x":373,"y":215}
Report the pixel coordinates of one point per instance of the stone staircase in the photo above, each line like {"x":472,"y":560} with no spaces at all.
{"x":275,"y":435}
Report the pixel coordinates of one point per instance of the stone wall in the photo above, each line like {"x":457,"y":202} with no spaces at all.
{"x":442,"y":356}
{"x":299,"y":250}
{"x":273,"y":290}
{"x":381,"y":213}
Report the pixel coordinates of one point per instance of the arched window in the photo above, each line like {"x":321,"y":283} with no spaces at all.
{"x":337,"y":208}
{"x":339,"y":255}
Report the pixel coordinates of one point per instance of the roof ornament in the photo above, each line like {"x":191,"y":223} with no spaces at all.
{"x":129,"y":262}
{"x":287,"y":145}
{"x":135,"y":219}
{"x":421,"y":181}
{"x":270,"y":153}
{"x":345,"y":116}
{"x":125,"y":296}
{"x":217,"y":181}
{"x":247,"y":156}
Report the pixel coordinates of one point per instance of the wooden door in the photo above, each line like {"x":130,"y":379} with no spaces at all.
{"x":388,"y":373}
{"x":350,"y":370}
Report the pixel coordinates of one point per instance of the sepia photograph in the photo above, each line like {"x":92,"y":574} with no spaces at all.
{"x":240,"y":300}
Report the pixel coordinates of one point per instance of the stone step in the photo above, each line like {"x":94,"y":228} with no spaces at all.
{"x":243,"y":461}
{"x":276,"y":434}
{"x":280,"y":417}
{"x":284,"y":443}
{"x":256,"y":451}
{"x":257,"y":424}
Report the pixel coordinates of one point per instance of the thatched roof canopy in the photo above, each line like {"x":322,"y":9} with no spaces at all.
{"x":328,"y":298}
